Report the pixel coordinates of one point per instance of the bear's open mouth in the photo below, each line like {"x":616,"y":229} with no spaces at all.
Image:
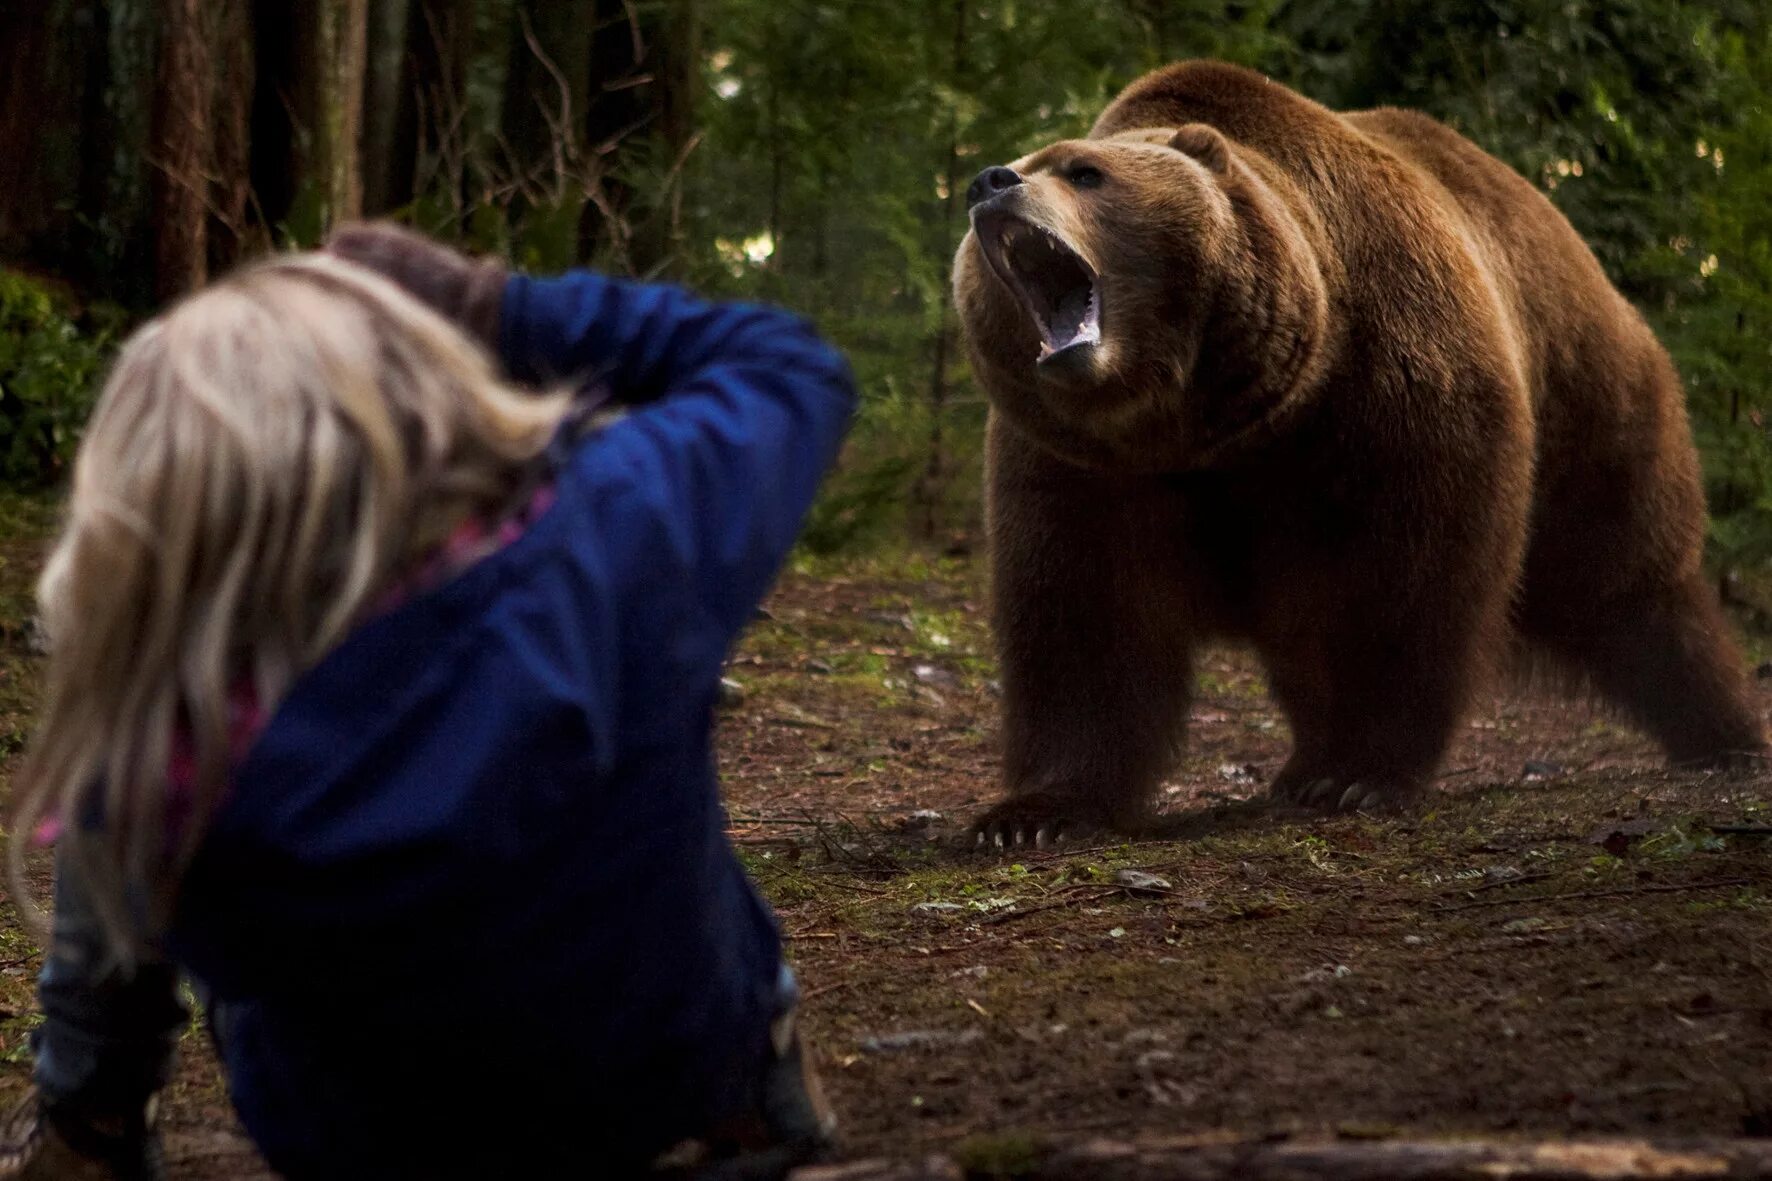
{"x":1054,"y":283}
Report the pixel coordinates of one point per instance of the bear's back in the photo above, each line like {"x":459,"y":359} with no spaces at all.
{"x":1373,"y":174}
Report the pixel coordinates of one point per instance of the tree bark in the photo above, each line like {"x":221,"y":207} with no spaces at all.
{"x":1207,"y":1159}
{"x":547,"y":89}
{"x":231,"y":235}
{"x":53,"y":74}
{"x":385,"y":73}
{"x":429,"y":143}
{"x":25,"y":61}
{"x":179,"y":152}
{"x":645,"y":67}
{"x":341,"y":42}
{"x":935,"y":464}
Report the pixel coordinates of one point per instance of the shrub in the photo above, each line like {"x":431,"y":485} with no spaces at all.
{"x":50,"y":357}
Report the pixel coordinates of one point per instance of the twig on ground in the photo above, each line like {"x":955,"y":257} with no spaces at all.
{"x":824,"y":990}
{"x":1079,"y":899}
{"x":1521,"y":880}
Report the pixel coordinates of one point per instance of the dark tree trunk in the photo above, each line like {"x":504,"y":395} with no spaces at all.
{"x":340,"y":44}
{"x":385,"y":76}
{"x":27,"y":196}
{"x":439,"y":38}
{"x":52,"y":62}
{"x":547,"y":88}
{"x":645,"y":67}
{"x":935,"y":464}
{"x":677,"y":69}
{"x":230,"y":233}
{"x":179,"y":150}
{"x":274,"y":168}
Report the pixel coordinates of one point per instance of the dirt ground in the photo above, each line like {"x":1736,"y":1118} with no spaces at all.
{"x":1563,"y":939}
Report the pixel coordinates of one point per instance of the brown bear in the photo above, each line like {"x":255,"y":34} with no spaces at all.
{"x":1338,"y":386}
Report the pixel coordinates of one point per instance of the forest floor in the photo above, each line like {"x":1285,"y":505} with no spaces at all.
{"x":1563,"y":939}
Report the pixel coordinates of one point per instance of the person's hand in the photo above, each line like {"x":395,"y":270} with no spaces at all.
{"x":467,"y":291}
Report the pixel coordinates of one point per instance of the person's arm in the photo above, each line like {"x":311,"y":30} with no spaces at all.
{"x":744,"y":408}
{"x":750,"y":404}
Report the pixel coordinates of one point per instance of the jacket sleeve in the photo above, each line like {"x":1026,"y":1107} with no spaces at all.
{"x":739,"y":411}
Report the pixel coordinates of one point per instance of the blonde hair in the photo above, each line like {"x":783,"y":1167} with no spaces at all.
{"x":265,"y":458}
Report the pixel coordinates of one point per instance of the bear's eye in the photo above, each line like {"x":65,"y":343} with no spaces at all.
{"x":1084,"y":176}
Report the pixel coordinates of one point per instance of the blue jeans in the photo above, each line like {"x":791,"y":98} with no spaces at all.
{"x":108,"y":1038}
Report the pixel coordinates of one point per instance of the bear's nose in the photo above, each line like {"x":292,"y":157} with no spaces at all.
{"x":989,"y":183}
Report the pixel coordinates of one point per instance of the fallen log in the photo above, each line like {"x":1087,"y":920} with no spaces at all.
{"x":1217,"y":1159}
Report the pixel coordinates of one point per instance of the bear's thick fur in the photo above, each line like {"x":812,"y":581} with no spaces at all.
{"x":1342,"y":387}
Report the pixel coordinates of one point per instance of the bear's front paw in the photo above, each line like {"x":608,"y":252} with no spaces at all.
{"x":1037,"y":820}
{"x":1325,"y":793}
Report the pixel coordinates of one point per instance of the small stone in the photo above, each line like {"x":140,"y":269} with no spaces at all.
{"x":1138,"y":881}
{"x":1117,"y":933}
{"x":941,"y":678}
{"x":822,"y":667}
{"x":891,"y":620}
{"x":732,"y":694}
{"x":1413,"y":941}
{"x":936,"y":907}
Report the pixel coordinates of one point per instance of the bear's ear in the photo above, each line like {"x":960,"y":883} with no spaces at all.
{"x":1204,"y":144}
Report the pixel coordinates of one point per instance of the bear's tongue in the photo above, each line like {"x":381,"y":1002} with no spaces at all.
{"x":1056,"y":286}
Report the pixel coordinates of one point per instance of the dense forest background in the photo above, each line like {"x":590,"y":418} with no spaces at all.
{"x":811,"y":152}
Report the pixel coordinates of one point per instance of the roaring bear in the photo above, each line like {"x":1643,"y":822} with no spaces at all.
{"x":1341,"y":387}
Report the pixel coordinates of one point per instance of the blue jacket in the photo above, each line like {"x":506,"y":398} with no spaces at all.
{"x":472,"y":893}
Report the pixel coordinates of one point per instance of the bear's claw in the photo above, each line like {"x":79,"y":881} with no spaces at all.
{"x":1028,"y":822}
{"x":1327,"y":794}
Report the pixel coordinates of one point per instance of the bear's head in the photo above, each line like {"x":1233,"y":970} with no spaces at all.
{"x":1140,"y":302}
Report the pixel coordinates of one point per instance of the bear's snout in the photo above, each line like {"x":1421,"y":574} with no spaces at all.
{"x":989,"y":183}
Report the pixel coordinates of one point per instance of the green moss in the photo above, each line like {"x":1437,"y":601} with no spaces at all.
{"x":998,"y":1154}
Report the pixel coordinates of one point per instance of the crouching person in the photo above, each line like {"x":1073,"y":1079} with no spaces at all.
{"x":379,"y":704}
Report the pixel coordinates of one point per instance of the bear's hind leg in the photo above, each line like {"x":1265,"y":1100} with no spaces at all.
{"x":1666,"y":658}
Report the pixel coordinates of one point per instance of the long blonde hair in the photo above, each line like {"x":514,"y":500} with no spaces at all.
{"x":266,"y":457}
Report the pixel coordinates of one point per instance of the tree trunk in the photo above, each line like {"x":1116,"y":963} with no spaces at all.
{"x":935,"y":465}
{"x":430,"y":145}
{"x":645,"y":67}
{"x":230,"y":234}
{"x":385,"y":74}
{"x":179,"y":152}
{"x":341,"y":39}
{"x":27,"y":197}
{"x":547,"y":89}
{"x":53,"y":58}
{"x":678,"y":72}
{"x":275,"y":167}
